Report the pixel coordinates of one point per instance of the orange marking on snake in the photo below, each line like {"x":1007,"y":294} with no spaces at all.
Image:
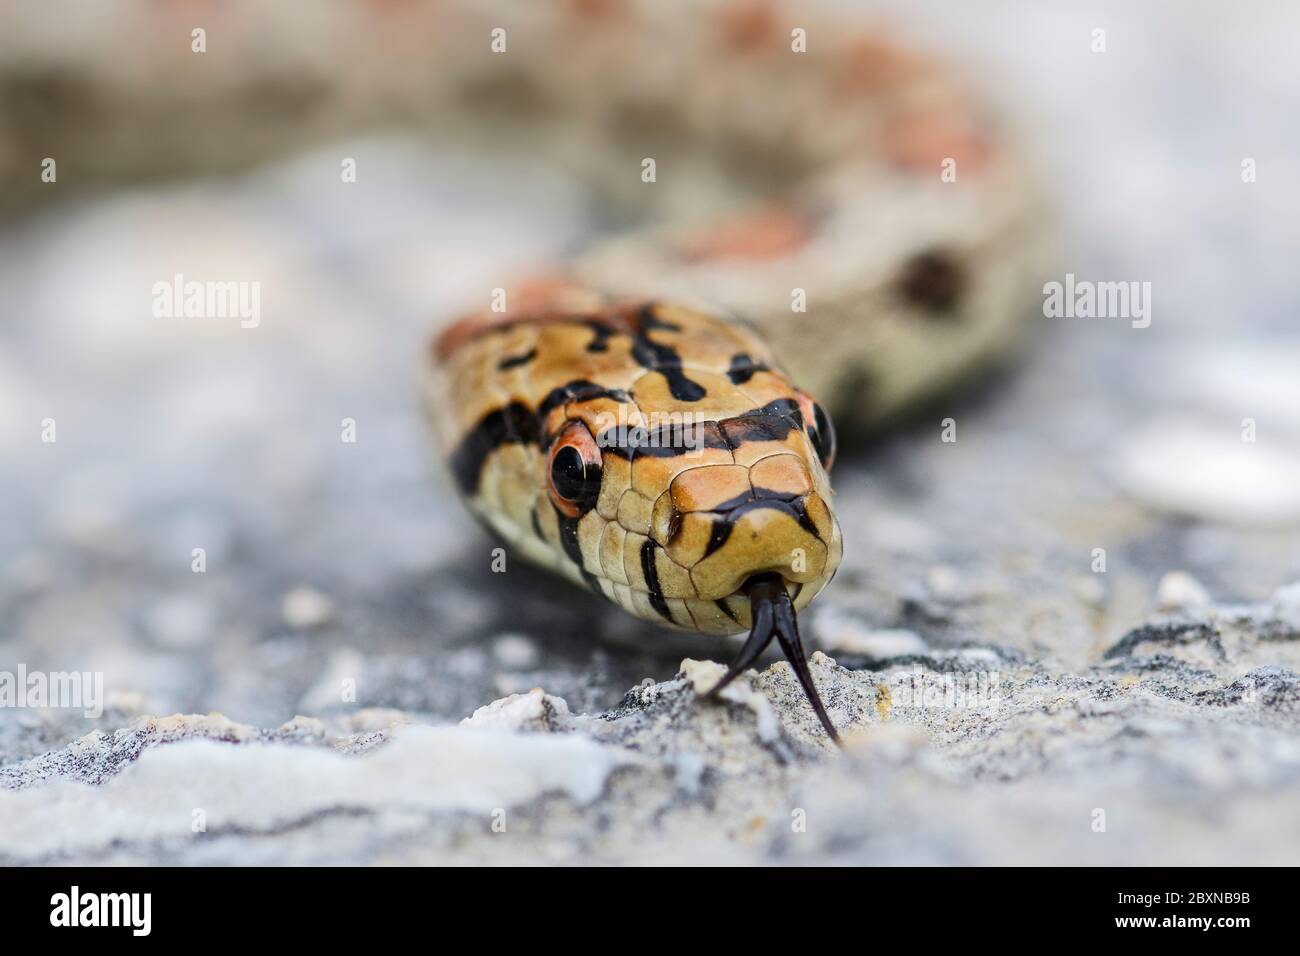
{"x":748,"y":25}
{"x":870,"y":65}
{"x":541,"y":300}
{"x":768,"y":234}
{"x":921,"y":141}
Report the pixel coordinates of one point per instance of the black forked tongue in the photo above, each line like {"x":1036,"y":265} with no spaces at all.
{"x":773,"y":616}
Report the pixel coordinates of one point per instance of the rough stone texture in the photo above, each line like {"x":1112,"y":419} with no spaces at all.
{"x":1181,"y":741}
{"x":998,"y":688}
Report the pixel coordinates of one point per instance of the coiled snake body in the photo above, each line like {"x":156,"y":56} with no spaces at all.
{"x":874,"y":227}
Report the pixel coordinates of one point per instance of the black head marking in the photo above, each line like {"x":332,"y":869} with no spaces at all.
{"x":726,"y":521}
{"x":651,"y":573}
{"x":647,"y":319}
{"x":579,"y":390}
{"x":669,"y":440}
{"x":512,"y":424}
{"x":569,"y":541}
{"x":743,"y":368}
{"x":773,"y":422}
{"x":515,"y":361}
{"x":601,"y":333}
{"x":662,"y":358}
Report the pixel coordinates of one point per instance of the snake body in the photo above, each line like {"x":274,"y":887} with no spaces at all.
{"x":875,"y":227}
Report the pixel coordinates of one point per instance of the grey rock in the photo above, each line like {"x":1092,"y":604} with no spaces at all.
{"x":1127,"y":762}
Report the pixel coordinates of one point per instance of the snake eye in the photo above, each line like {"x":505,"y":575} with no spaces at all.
{"x":574,"y":470}
{"x":820,"y":430}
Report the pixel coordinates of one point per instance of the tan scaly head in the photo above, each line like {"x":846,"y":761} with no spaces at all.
{"x":657,"y":454}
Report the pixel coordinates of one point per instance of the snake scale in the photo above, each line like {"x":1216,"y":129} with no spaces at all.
{"x":829,"y":226}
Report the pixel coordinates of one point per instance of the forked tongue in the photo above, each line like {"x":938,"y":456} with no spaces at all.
{"x":773,"y":616}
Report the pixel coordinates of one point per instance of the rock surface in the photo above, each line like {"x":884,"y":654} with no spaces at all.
{"x":1179,"y":746}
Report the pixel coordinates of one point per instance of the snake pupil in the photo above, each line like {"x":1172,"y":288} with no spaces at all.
{"x":823,"y":436}
{"x":572,"y":479}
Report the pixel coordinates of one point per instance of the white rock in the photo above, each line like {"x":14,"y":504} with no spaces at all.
{"x":301,"y":726}
{"x":182,"y":726}
{"x":515,"y":652}
{"x":304,"y":607}
{"x":1179,"y":591}
{"x":1186,"y":467}
{"x":1286,"y":604}
{"x":703,"y":675}
{"x":425,"y":769}
{"x":945,"y":583}
{"x":1089,"y":589}
{"x":535,"y":710}
{"x":371,"y":719}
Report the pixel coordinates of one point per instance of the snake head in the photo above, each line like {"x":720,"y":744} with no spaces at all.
{"x":655,"y":453}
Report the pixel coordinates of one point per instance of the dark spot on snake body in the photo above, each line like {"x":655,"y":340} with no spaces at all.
{"x":601,"y":333}
{"x":579,"y":390}
{"x":651,"y":573}
{"x":934,"y":281}
{"x":743,"y":368}
{"x":515,"y":361}
{"x":512,"y":424}
{"x":537,"y":525}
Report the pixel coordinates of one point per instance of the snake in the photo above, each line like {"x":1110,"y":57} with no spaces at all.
{"x":814,"y":222}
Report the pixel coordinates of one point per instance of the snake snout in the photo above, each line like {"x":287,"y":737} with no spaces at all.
{"x":727,"y":523}
{"x":762,"y":536}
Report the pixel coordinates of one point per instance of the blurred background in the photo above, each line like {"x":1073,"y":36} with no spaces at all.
{"x":327,"y":559}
